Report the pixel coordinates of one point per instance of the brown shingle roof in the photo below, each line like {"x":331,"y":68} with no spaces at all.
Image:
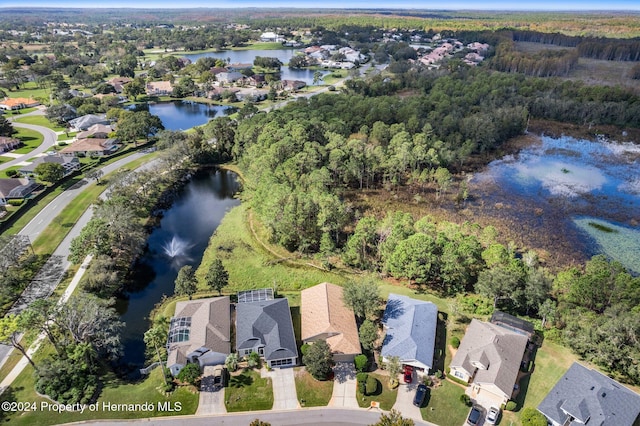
{"x":89,"y":145}
{"x":324,"y":314}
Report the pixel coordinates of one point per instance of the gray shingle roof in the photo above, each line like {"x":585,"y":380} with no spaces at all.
{"x":266,"y":323}
{"x":589,"y":395}
{"x":411,"y":329}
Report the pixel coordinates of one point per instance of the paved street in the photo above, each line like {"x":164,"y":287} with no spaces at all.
{"x":284,"y":388}
{"x":344,"y":386}
{"x":50,"y":139}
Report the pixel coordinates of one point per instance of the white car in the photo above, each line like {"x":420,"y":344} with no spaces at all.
{"x":492,"y":416}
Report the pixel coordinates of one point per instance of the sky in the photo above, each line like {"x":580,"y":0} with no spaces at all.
{"x":315,"y":4}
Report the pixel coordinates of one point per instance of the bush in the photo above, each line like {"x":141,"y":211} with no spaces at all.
{"x":455,"y":342}
{"x":190,"y":373}
{"x":465,"y":399}
{"x":532,"y":417}
{"x":511,"y":406}
{"x":11,"y":173}
{"x":304,"y":348}
{"x":361,"y":378}
{"x":439,"y":374}
{"x":393,"y":383}
{"x":15,"y":202}
{"x":361,"y":362}
{"x":371,"y":387}
{"x":62,"y":143}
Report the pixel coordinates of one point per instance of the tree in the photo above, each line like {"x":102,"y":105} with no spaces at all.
{"x":317,"y":76}
{"x":217,"y":277}
{"x":368,"y":335}
{"x":9,"y":334}
{"x":547,"y":311}
{"x":318,"y":360}
{"x":134,"y":88}
{"x":394,"y":418}
{"x":231,"y":362}
{"x":415,"y":258}
{"x":186,"y":282}
{"x":95,"y":174}
{"x":102,"y":277}
{"x":363,"y":298}
{"x":361,"y":362}
{"x":49,"y":172}
{"x":190,"y":373}
{"x":6,"y":128}
{"x":156,"y":337}
{"x":500,"y":283}
{"x":394,"y":367}
{"x":138,"y":125}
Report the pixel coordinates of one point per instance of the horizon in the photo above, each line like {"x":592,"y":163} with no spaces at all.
{"x":456,"y":5}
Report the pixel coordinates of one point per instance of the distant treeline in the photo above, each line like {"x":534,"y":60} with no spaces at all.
{"x":609,"y":49}
{"x":547,"y":63}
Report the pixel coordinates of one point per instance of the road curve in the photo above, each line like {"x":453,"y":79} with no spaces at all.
{"x":50,"y":139}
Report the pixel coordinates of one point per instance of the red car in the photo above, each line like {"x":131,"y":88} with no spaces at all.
{"x":408,"y":373}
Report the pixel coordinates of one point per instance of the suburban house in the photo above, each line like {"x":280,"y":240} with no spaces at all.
{"x":264,"y":325}
{"x":18,"y":103}
{"x":84,"y":122}
{"x":292,"y":85}
{"x":118,"y":83}
{"x":70,"y":164}
{"x":91,"y":147}
{"x":410,"y":327}
{"x":489,"y":359}
{"x":588,"y":397}
{"x":270,"y":36}
{"x":229,"y":77}
{"x":325,"y":317}
{"x":159,"y":88}
{"x":200,"y":331}
{"x":14,"y":188}
{"x":7,"y":144}
{"x":100,"y":131}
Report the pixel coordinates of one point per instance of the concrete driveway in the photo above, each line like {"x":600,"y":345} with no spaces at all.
{"x":344,"y":386}
{"x":404,"y":401}
{"x":284,"y":388}
{"x":211,"y":400}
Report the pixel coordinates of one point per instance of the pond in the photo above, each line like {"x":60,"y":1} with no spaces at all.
{"x":180,"y":239}
{"x":247,"y":57}
{"x":591,"y":189}
{"x":183,"y":115}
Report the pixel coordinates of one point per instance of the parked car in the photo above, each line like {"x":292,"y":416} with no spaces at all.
{"x":408,"y":373}
{"x":219,"y":377}
{"x":421,"y":394}
{"x":492,"y":415}
{"x":474,"y":416}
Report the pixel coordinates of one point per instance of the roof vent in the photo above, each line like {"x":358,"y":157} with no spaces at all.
{"x":604,"y":394}
{"x":592,"y":388}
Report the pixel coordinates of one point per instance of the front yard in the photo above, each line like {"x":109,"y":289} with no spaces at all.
{"x":312,"y":392}
{"x":384,"y":396}
{"x":443,"y":406}
{"x":248,"y":391}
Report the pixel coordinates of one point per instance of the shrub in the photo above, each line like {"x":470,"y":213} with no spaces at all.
{"x":361,"y":362}
{"x":371,"y":387}
{"x":361,"y":378}
{"x":439,"y":374}
{"x":511,"y":406}
{"x":11,"y":173}
{"x":62,"y":143}
{"x":465,"y":399}
{"x":190,"y":373}
{"x":393,"y":383}
{"x":304,"y":348}
{"x":253,"y":361}
{"x":455,"y":342}
{"x":15,"y":202}
{"x":532,"y":417}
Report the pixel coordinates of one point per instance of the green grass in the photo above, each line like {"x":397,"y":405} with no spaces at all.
{"x":39,"y":120}
{"x":30,"y":138}
{"x":385,"y":396}
{"x":250,"y":265}
{"x":114,"y":392}
{"x":248,"y":392}
{"x":443,"y":405}
{"x":312,"y":392}
{"x":28,"y":90}
{"x":3,"y":173}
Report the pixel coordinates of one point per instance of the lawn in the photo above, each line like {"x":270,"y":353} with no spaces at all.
{"x":4,"y":174}
{"x":312,"y":392}
{"x":248,"y":392}
{"x":115,"y":391}
{"x":249,"y":263}
{"x":28,"y":90}
{"x":39,"y":120}
{"x":443,"y":405}
{"x":30,"y":138}
{"x":385,"y":396}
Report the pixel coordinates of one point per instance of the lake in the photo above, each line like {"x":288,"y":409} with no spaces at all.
{"x":180,"y":239}
{"x":585,"y":194}
{"x":247,"y":57}
{"x":183,"y":115}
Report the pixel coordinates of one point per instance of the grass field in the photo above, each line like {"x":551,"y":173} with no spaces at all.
{"x":114,"y":392}
{"x":248,"y":392}
{"x":250,"y":265}
{"x":28,"y":90}
{"x":443,"y":405}
{"x":30,"y":138}
{"x":312,"y":392}
{"x":385,"y":396}
{"x":39,"y":120}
